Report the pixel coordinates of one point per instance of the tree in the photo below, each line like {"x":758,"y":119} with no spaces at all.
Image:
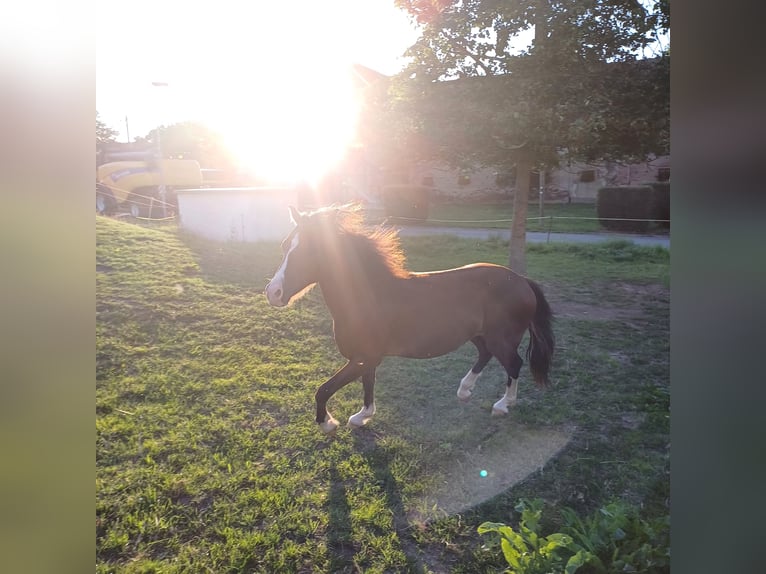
{"x":191,"y":140}
{"x":104,"y":133}
{"x":579,"y":88}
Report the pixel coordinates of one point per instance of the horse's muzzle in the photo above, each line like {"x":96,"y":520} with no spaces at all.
{"x":274,"y":294}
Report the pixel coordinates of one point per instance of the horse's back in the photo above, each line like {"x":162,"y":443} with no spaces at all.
{"x":436,"y":312}
{"x":477,"y":281}
{"x":502,"y":293}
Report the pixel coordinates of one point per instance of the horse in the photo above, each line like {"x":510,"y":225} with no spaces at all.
{"x":381,"y":309}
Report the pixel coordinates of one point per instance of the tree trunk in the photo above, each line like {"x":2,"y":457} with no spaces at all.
{"x":518,"y":258}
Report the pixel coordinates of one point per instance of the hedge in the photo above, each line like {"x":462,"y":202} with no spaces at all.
{"x":649,"y":201}
{"x":625,"y":202}
{"x":661,"y":202}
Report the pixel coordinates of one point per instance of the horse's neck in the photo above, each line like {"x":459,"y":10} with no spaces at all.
{"x":346,"y":296}
{"x":351,"y":293}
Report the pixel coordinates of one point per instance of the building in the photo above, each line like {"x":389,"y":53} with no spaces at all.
{"x":367,"y":170}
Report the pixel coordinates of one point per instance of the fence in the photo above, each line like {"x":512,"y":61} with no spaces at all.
{"x":152,"y":202}
{"x":143,"y":203}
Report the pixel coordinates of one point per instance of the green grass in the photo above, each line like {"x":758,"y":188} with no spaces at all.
{"x":556,"y":217}
{"x":208,"y":458}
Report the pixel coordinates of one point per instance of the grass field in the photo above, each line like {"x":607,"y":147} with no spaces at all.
{"x":209,"y":460}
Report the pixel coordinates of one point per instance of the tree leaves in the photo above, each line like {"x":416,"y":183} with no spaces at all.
{"x":578,"y":88}
{"x":104,"y":133}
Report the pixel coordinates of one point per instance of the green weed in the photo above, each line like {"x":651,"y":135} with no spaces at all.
{"x":612,"y":539}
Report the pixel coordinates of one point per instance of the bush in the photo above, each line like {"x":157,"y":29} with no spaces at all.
{"x":612,"y":539}
{"x":406,"y":201}
{"x":661,"y":202}
{"x":625,"y":202}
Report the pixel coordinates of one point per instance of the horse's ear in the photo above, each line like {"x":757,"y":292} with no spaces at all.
{"x":295,"y":215}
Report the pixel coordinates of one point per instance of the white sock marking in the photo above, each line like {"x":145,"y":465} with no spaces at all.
{"x":362,"y":417}
{"x":329,"y":425}
{"x":508,"y":399}
{"x":466,"y":385}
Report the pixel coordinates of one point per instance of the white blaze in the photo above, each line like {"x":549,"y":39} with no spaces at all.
{"x":275,"y":288}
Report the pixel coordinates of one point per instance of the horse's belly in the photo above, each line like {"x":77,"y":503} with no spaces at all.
{"x":432,"y":338}
{"x":424,"y":351}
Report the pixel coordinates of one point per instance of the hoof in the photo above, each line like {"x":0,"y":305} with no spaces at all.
{"x":329,"y":426}
{"x":361,"y":418}
{"x":499,"y":410}
{"x":464,"y":396}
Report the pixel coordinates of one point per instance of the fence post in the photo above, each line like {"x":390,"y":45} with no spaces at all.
{"x":550,"y":225}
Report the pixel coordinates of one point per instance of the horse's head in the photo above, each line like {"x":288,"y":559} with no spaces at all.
{"x":299,"y":268}
{"x":320,"y":246}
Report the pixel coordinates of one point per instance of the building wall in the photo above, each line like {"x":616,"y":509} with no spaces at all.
{"x":237,"y":214}
{"x":573,"y":181}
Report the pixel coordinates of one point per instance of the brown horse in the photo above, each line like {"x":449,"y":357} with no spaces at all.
{"x":380,"y":309}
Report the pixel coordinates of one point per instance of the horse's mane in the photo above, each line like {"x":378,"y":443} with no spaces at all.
{"x":377,"y":248}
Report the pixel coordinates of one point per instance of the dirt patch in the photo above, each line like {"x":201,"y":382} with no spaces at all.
{"x":495,"y":465}
{"x":653,"y":290}
{"x":633,"y":298}
{"x":586,"y":312}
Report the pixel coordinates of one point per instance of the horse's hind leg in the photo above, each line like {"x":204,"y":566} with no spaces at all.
{"x":363,"y":416}
{"x":469,"y":381}
{"x":507,"y":353}
{"x":344,"y":376}
{"x":508,"y":399}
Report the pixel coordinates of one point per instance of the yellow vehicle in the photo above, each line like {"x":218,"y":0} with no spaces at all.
{"x":138,"y":185}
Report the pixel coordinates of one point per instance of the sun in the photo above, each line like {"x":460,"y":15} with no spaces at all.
{"x":280,"y":92}
{"x":275,"y":81}
{"x":290,"y":128}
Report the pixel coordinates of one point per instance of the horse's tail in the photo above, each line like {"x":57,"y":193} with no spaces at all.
{"x":541,"y":338}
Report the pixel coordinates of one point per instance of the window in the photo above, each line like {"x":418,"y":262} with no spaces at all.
{"x":463,"y":179}
{"x":663,"y":174}
{"x":427,"y":181}
{"x":587,"y":175}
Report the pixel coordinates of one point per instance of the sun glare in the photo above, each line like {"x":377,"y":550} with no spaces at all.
{"x":275,"y":80}
{"x":290,"y":127}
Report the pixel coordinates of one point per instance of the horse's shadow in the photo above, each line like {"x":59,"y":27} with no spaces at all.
{"x":340,"y":529}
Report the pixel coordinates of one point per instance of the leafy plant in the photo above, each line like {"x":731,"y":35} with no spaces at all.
{"x":525,"y":550}
{"x":616,"y":539}
{"x":613,"y":539}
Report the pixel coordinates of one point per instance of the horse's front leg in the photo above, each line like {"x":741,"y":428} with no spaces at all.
{"x":364,"y":415}
{"x":344,"y":376}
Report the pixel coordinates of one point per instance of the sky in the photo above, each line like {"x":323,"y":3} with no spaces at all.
{"x":246,"y":69}
{"x":271,"y":77}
